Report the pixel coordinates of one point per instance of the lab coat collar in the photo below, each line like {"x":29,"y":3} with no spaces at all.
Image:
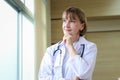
{"x":81,"y":40}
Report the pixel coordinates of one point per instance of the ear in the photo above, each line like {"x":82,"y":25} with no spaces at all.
{"x":82,"y":26}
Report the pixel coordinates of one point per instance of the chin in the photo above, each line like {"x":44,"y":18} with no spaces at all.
{"x":68,"y":33}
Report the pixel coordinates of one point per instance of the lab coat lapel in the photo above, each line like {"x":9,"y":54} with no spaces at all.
{"x":60,"y":57}
{"x":59,"y":62}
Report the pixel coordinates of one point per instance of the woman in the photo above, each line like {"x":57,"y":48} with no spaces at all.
{"x":74,"y":57}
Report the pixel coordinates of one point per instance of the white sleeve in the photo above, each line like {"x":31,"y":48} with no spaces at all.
{"x":46,"y":71}
{"x":83,"y":66}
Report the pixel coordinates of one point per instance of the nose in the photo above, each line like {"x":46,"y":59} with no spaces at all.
{"x":67,"y":24}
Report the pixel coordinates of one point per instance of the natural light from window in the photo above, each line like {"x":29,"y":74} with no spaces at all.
{"x":28,"y":50}
{"x":17,"y":49}
{"x":8,"y":42}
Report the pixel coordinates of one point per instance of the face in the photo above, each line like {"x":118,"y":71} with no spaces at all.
{"x":72,"y":26}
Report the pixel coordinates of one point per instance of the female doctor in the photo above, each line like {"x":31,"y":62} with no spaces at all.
{"x":74,"y":57}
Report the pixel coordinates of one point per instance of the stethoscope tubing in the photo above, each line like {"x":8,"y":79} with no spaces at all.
{"x":60,"y":51}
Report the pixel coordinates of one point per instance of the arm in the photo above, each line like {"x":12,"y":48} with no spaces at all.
{"x":83,"y":67}
{"x":47,"y":69}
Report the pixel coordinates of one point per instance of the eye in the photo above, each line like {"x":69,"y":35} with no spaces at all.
{"x":63,"y":20}
{"x":73,"y":21}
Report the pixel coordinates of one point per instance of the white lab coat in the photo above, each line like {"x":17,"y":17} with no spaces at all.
{"x":62,"y":67}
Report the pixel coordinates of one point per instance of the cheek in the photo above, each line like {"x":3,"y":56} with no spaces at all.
{"x":76,"y":29}
{"x":62,"y":27}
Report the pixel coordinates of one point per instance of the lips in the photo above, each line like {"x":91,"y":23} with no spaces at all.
{"x":68,"y":30}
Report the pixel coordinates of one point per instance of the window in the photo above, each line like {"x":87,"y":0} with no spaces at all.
{"x":29,"y":4}
{"x":28,"y":50}
{"x":16,"y":40}
{"x":8,"y":42}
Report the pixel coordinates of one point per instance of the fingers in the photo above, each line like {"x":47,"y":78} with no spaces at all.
{"x":76,"y":78}
{"x":67,"y":39}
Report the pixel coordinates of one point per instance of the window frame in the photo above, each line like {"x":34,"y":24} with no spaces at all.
{"x":20,"y":7}
{"x":22,"y":10}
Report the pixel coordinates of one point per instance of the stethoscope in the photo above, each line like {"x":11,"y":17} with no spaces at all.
{"x":58,"y":50}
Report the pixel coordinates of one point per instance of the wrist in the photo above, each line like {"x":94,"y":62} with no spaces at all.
{"x":71,"y":50}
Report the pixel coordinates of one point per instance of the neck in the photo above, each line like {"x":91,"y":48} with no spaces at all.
{"x":75,"y":38}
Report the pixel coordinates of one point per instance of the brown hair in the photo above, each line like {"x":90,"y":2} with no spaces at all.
{"x":72,"y":12}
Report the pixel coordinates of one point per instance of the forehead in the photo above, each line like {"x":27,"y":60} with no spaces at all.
{"x":69,"y":15}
